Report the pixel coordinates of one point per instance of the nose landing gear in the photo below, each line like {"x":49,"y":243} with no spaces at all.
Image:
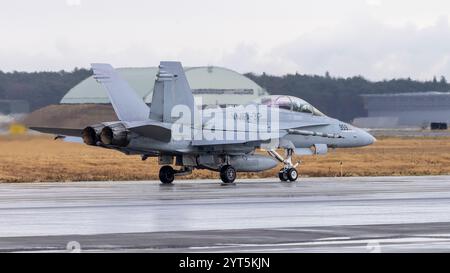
{"x":288,"y":172}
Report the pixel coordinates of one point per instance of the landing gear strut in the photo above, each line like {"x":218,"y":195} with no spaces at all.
{"x":288,"y":172}
{"x":228,"y":174}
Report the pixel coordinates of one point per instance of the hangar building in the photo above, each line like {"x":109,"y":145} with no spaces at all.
{"x":405,"y":109}
{"x":215,"y":85}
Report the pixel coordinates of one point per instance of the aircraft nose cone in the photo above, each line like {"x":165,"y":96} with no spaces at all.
{"x":368,"y":138}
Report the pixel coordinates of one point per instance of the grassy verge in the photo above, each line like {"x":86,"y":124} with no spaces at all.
{"x":40,"y":158}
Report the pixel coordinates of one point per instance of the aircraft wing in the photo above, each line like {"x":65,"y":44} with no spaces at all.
{"x":156,"y":130}
{"x":59,"y":131}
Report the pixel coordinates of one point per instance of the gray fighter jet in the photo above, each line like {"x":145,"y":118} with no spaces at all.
{"x":180,"y":132}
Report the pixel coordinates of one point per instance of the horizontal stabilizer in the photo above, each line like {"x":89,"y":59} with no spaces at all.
{"x":59,"y":131}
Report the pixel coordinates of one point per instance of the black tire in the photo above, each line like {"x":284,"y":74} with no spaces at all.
{"x":283,"y":175}
{"x":292,"y":174}
{"x":228,"y":174}
{"x":166,"y":174}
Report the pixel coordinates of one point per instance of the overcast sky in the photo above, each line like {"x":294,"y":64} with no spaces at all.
{"x":375,"y":38}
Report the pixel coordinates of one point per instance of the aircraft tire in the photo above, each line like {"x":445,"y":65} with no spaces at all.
{"x":292,"y":174}
{"x":283,"y":175}
{"x":228,"y":174}
{"x":166,"y":174}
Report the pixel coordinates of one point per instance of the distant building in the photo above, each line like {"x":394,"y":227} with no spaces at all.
{"x":405,"y":110}
{"x":215,"y":85}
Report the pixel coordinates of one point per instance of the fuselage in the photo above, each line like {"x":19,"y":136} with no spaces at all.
{"x":214,"y":127}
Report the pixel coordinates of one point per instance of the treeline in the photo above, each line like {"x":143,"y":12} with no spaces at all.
{"x":340,"y":97}
{"x":39,"y":88}
{"x":337,"y":97}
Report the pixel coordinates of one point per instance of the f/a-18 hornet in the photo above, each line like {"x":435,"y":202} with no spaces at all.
{"x":179,"y":131}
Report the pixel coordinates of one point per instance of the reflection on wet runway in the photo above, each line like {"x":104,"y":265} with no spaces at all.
{"x":109,"y":208}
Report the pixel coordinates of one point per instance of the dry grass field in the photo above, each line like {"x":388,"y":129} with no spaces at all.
{"x":40,"y":158}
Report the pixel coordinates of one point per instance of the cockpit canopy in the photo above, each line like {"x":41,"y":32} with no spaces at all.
{"x":290,"y":103}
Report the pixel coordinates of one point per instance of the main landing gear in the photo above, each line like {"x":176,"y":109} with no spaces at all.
{"x":167,"y":173}
{"x":288,"y":172}
{"x":228,"y":174}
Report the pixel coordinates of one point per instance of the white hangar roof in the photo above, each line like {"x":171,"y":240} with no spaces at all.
{"x":216,"y":85}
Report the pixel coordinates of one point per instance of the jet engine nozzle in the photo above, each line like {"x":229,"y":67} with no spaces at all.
{"x":115,"y":134}
{"x":91,"y":134}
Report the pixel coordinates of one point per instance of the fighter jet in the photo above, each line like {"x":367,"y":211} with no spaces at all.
{"x":179,"y":131}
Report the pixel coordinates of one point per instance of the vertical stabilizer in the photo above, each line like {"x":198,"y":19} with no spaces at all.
{"x":171,"y":89}
{"x":125,"y":101}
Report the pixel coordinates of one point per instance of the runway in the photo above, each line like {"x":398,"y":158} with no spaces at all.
{"x":359,"y":214}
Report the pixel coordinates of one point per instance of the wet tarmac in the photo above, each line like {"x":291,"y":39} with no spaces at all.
{"x":362,"y":214}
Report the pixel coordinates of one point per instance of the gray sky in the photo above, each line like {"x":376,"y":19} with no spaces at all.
{"x":374,"y":38}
